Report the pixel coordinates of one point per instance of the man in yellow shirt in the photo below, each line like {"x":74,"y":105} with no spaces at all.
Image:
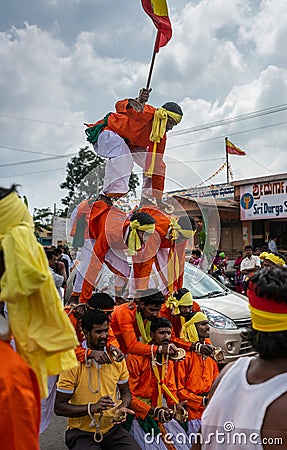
{"x":87,"y":394}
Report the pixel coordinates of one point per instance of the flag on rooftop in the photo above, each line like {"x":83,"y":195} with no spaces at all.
{"x":231,"y":149}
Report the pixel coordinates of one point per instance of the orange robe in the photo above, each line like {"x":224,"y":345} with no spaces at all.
{"x":143,"y":262}
{"x":143,"y":384}
{"x":126,"y":331}
{"x":79,"y":350}
{"x":107,"y":226}
{"x":195,"y":376}
{"x":135,"y":128}
{"x":19,"y":402}
{"x":176,"y":325}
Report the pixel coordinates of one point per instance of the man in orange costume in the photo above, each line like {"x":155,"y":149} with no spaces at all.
{"x":150,"y":381}
{"x":19,"y":398}
{"x":196,"y":373}
{"x":179,"y":309}
{"x":100,"y":302}
{"x":131,"y":323}
{"x":113,"y":235}
{"x":134,"y":129}
{"x":165,"y":253}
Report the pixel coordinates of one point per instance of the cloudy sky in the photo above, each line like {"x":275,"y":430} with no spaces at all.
{"x":66,"y":62}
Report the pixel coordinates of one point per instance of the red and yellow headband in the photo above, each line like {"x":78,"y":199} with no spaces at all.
{"x":267,"y":315}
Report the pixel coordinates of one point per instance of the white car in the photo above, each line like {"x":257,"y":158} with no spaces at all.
{"x":228,"y":312}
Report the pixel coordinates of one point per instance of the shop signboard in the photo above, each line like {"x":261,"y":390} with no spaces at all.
{"x":263,"y":200}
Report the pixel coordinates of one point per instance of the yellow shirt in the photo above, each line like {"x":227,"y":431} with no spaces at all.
{"x":76,"y":381}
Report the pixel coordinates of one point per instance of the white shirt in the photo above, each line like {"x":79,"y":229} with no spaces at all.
{"x":250,"y":263}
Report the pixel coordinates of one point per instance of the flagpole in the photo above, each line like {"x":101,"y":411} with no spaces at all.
{"x":153,"y":59}
{"x":150,"y":70}
{"x":227,"y":164}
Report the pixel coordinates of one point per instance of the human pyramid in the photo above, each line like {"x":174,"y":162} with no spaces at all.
{"x":152,"y":318}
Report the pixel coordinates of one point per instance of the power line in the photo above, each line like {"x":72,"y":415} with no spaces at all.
{"x":230,"y":134}
{"x":247,"y":116}
{"x":33,"y":173}
{"x":31,"y":161}
{"x":24,"y":151}
{"x":41,"y":121}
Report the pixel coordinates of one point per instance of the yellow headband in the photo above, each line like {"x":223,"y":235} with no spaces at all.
{"x":267,"y":321}
{"x":173,"y":303}
{"x":176,"y":229}
{"x":134,"y":242}
{"x":159,"y":123}
{"x":275,"y":259}
{"x":263,"y":255}
{"x":188,"y":330}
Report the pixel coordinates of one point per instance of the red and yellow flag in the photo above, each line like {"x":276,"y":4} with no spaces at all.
{"x":157,"y":10}
{"x":231,"y":149}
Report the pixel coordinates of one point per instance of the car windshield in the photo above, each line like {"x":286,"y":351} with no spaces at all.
{"x":200,"y":284}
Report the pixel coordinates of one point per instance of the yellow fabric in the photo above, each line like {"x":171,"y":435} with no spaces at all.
{"x":158,"y":131}
{"x":263,"y":255}
{"x":134,"y":242}
{"x":188,"y":330}
{"x":267,"y":321}
{"x":42,"y":331}
{"x":275,"y":259}
{"x":76,"y":381}
{"x":173,"y":268}
{"x":160,"y":384}
{"x":144,"y":330}
{"x":173,"y":303}
{"x":175,"y":230}
{"x":159,"y":7}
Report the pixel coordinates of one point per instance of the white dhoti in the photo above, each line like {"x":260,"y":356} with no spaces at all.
{"x":120,"y":163}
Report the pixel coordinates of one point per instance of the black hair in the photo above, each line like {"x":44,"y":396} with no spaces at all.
{"x":247,"y":247}
{"x":159,"y":322}
{"x":180,"y":293}
{"x":50,"y":253}
{"x":173,"y":107}
{"x":270,"y":283}
{"x":151,"y":297}
{"x":240,"y":251}
{"x":187,"y":222}
{"x":93,"y":317}
{"x":101,"y":300}
{"x":143,"y":218}
{"x":197,"y":253}
{"x":6,"y":191}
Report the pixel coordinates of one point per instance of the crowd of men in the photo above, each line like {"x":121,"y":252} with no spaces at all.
{"x":136,"y":370}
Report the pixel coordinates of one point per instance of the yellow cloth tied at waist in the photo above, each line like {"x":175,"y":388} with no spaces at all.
{"x":144,"y":329}
{"x":188,"y":330}
{"x":174,"y":304}
{"x":43,"y":333}
{"x":134,"y":242}
{"x":268,"y":322}
{"x":275,"y":259}
{"x":173,"y":264}
{"x":175,"y":230}
{"x":158,"y":131}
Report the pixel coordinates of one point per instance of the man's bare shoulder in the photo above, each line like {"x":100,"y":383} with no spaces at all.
{"x":275,"y":423}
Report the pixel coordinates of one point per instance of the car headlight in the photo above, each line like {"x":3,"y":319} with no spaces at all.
{"x":218,"y":320}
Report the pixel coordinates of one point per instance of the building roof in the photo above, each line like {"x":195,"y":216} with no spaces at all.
{"x":267,"y":178}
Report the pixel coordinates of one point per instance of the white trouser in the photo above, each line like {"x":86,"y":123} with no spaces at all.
{"x":120,"y":163}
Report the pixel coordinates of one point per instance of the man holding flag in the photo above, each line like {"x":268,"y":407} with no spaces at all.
{"x":136,"y":132}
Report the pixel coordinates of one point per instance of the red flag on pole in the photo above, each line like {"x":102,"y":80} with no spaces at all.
{"x":231,"y":149}
{"x":157,"y":10}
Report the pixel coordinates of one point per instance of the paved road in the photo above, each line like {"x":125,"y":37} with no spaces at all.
{"x":53,"y":437}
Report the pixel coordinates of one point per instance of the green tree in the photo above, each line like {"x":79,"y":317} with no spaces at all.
{"x":42,"y":220}
{"x":84,"y":178}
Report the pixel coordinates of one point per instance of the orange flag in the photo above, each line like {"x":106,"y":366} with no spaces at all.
{"x":157,"y":10}
{"x":231,"y":149}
